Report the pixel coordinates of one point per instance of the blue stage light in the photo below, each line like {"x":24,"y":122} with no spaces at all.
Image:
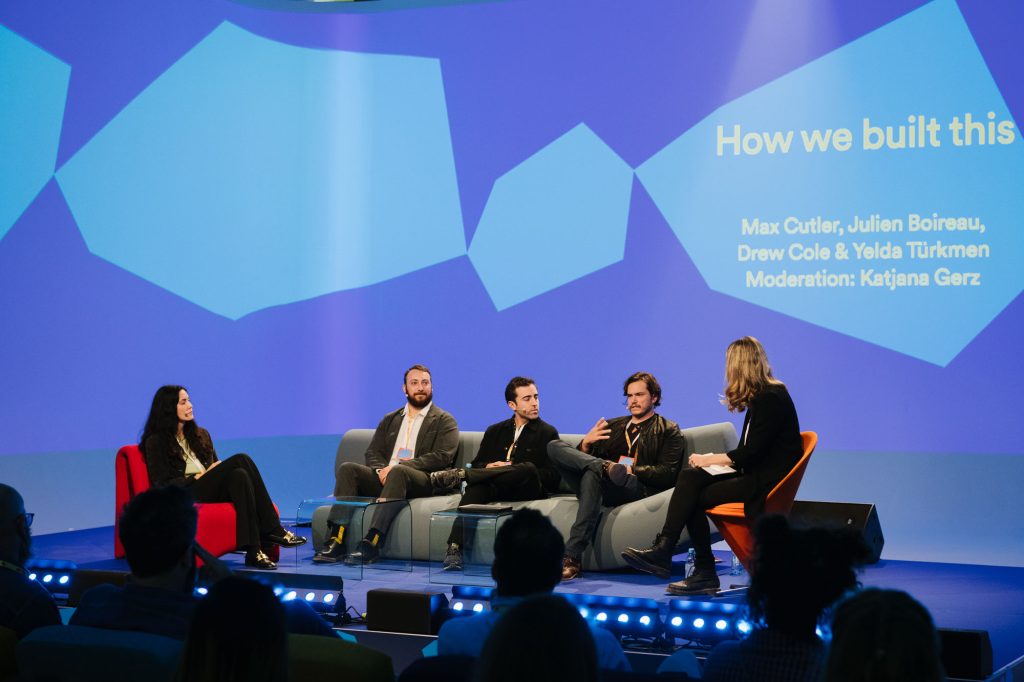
{"x":470,"y":599}
{"x":707,"y":621}
{"x":467,"y":607}
{"x":472,"y":592}
{"x":55,"y":575}
{"x":621,"y":615}
{"x":202,"y":591}
{"x":312,"y":589}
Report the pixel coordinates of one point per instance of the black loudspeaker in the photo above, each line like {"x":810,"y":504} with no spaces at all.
{"x":417,"y":613}
{"x":966,"y":654}
{"x":863,"y":517}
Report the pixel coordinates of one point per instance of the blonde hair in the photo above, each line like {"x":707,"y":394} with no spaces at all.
{"x":747,"y":373}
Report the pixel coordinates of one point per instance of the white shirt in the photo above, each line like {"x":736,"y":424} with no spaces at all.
{"x":408,"y":432}
{"x":192,"y":464}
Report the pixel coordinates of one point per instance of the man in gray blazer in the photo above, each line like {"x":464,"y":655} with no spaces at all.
{"x":408,"y":444}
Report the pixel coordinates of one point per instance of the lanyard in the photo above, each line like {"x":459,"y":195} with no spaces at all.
{"x":408,"y":430}
{"x":515,"y":440}
{"x":411,"y":421}
{"x":13,"y":567}
{"x":631,"y":443}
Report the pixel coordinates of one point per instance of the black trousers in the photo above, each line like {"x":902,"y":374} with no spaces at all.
{"x":403,"y":483}
{"x":513,"y":483}
{"x":696,"y":490}
{"x":237,"y":480}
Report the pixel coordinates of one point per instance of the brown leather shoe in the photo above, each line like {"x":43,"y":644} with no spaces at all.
{"x":571,"y":568}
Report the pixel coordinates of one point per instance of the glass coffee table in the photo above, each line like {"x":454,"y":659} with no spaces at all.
{"x":480,"y":525}
{"x":351,"y":518}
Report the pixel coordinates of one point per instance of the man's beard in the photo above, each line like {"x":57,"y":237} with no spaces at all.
{"x":419,"y":402}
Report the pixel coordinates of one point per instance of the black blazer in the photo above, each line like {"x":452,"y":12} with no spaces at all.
{"x":658,"y":457}
{"x":166,"y":460}
{"x":436,"y":444}
{"x":532,"y":447}
{"x":770,"y":443}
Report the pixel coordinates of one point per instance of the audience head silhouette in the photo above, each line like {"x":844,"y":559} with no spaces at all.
{"x":527,"y":555}
{"x":237,"y":634}
{"x":883,"y":636}
{"x":15,"y":537}
{"x":157,"y":530}
{"x":798,"y":573}
{"x":541,"y":639}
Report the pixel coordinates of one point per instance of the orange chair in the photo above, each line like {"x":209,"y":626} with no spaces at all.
{"x":732,"y":522}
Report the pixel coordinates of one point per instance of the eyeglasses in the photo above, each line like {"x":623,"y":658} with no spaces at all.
{"x":28,"y":519}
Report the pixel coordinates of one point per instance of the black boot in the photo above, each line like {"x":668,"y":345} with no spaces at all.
{"x":334,"y":548}
{"x":366,"y":552}
{"x":656,"y":560}
{"x":703,"y":580}
{"x":447,"y":480}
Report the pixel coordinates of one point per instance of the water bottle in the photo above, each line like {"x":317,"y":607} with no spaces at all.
{"x":737,"y":566}
{"x":691,"y":560}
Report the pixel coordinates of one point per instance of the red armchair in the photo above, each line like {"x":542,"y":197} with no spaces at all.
{"x":216,"y":529}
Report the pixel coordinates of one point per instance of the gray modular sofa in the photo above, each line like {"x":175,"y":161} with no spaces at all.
{"x":634,"y":524}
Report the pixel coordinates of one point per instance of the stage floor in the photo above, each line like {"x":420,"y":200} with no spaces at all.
{"x":958,"y":595}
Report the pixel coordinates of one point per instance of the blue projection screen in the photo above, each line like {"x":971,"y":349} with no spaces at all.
{"x":283,"y":209}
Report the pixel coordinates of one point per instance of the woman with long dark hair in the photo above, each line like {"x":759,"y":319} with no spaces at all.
{"x":179,"y":452}
{"x":770,"y":446}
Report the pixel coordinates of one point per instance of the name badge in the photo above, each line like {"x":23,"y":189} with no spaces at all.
{"x":404,"y":454}
{"x":626,"y":461}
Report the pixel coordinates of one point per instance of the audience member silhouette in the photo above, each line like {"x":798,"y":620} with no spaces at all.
{"x":528,"y":554}
{"x":158,"y":530}
{"x":540,"y":639}
{"x":796,"y":575}
{"x":24,"y":604}
{"x":237,"y":635}
{"x":883,"y":636}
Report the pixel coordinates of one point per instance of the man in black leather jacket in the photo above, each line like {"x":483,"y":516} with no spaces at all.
{"x":618,"y":461}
